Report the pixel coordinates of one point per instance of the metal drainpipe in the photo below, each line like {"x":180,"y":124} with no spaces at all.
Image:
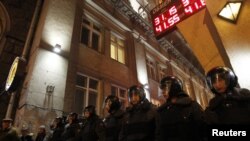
{"x":26,"y":49}
{"x":31,"y":32}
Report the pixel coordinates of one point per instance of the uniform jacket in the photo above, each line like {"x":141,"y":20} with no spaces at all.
{"x":113,"y":124}
{"x":180,"y":121}
{"x":71,"y":131}
{"x":92,"y":129}
{"x":26,"y":138}
{"x":41,"y":137}
{"x":230,"y":108}
{"x":139,"y":123}
{"x":56,"y":134}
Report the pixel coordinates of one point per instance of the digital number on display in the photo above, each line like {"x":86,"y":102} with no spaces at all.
{"x":166,"y":15}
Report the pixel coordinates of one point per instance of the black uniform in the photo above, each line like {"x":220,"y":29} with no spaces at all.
{"x":113,"y":122}
{"x":93,"y":127}
{"x":230,"y":108}
{"x":71,"y":129}
{"x":70,"y":132}
{"x":139,"y":123}
{"x":57,"y":130}
{"x":113,"y":125}
{"x":26,"y":138}
{"x":56,"y":134}
{"x":180,"y":121}
{"x":180,"y":118}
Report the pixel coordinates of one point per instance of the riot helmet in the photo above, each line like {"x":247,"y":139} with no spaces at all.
{"x":90,"y":110}
{"x":73,"y":114}
{"x":58,"y":122}
{"x":171,"y":86}
{"x":221,"y":80}
{"x":136,"y":90}
{"x":72,"y":117}
{"x":113,"y":103}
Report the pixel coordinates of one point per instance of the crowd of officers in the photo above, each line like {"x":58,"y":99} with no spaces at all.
{"x":179,"y":119}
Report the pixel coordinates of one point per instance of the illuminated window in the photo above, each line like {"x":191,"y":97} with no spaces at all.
{"x":151,"y":69}
{"x":91,"y":34}
{"x":86,"y":92}
{"x":117,"y":49}
{"x":121,"y":93}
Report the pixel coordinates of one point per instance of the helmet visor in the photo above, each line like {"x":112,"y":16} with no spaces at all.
{"x":134,"y":98}
{"x":165,"y":88}
{"x":108,"y":103}
{"x":220,"y":82}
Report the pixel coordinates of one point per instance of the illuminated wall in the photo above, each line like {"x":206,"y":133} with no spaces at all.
{"x":47,"y":68}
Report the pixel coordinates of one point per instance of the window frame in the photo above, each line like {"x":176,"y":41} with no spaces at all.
{"x":88,"y":90}
{"x":92,"y":30}
{"x":116,"y":46}
{"x":124,"y":99}
{"x":151,"y":66}
{"x":161,"y":71}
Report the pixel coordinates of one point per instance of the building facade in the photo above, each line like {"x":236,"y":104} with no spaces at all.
{"x":106,"y":46}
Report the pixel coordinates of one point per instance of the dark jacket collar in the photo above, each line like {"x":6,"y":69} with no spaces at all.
{"x":144,"y":105}
{"x":181,"y":100}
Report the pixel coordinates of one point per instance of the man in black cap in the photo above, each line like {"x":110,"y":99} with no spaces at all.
{"x":7,"y":132}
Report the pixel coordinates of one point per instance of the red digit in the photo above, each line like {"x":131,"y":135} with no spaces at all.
{"x":203,"y":2}
{"x":165,"y":26}
{"x":188,"y":10}
{"x":172,"y":10}
{"x":185,"y":2}
{"x":173,"y":20}
{"x":176,"y":18}
{"x":196,"y":5}
{"x":158,"y":29}
{"x":157,"y":21}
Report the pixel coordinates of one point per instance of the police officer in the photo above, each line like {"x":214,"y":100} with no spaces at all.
{"x":93,"y":127}
{"x":179,"y":118}
{"x":57,"y":128}
{"x":230,"y":105}
{"x":71,"y":129}
{"x":139,"y":120}
{"x":114,"y":120}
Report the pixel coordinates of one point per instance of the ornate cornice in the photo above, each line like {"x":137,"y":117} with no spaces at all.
{"x":124,"y":8}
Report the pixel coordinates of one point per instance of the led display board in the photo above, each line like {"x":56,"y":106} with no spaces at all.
{"x":166,"y":15}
